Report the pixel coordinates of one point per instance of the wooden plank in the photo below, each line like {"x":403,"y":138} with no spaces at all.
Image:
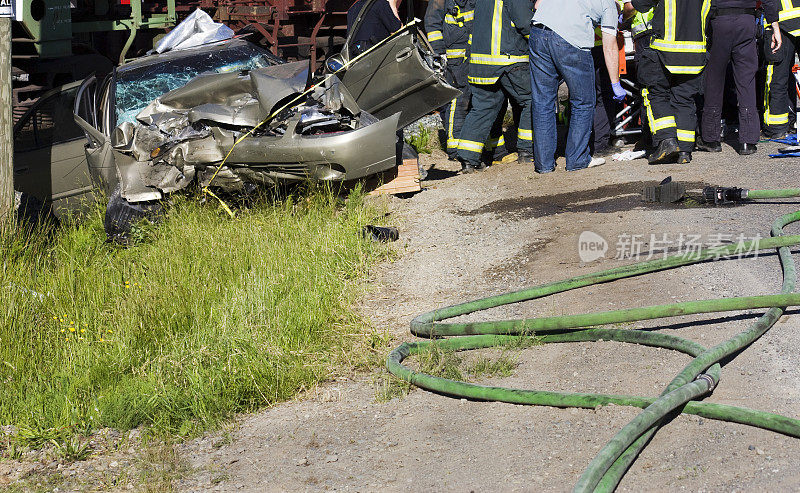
{"x":402,"y":179}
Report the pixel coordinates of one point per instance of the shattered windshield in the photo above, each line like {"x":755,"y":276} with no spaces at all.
{"x":137,"y":87}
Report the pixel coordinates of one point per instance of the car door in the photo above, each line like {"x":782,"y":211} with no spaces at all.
{"x":49,"y":162}
{"x":93,"y":113}
{"x":401,"y":74}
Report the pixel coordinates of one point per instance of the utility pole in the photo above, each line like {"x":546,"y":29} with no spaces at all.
{"x":6,"y":119}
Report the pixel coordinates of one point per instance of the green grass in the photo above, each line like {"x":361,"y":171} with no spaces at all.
{"x":423,"y":141}
{"x":204,"y":317}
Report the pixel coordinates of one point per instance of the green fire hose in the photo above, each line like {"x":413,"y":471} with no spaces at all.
{"x":696,"y":380}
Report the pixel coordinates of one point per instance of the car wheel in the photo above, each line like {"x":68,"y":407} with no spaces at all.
{"x":122,"y":216}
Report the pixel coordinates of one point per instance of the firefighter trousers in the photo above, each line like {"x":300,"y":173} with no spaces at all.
{"x":455,"y":112}
{"x":776,"y":88}
{"x":670,"y":101}
{"x":734,"y":43}
{"x":488,"y":109}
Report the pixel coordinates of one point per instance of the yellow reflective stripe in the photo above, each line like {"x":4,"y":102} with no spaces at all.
{"x":670,"y":21}
{"x":787,"y":5}
{"x":795,"y":32}
{"x":450,"y":124}
{"x":771,"y":119}
{"x":770,"y":69}
{"x":495,"y":142}
{"x":525,"y":134}
{"x":788,"y":14}
{"x":456,"y":53}
{"x":496,"y":60}
{"x":663,"y":122}
{"x":684,"y":69}
{"x":461,"y":17}
{"x":469,"y":41}
{"x":468,"y":145}
{"x":686,"y":135}
{"x":482,"y":80}
{"x":704,"y":14}
{"x":435,"y":36}
{"x":497,"y":26}
{"x":679,"y":46}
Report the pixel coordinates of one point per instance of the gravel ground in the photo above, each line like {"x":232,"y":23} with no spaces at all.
{"x":466,"y":237}
{"x":471,"y":236}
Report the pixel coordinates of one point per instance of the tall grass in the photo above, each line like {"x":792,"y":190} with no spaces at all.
{"x":204,"y":317}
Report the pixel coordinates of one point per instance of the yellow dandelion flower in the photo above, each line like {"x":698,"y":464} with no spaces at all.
{"x":109,"y":331}
{"x":72,"y":329}
{"x":83,"y":330}
{"x":102,"y":340}
{"x":62,"y":330}
{"x":55,"y":318}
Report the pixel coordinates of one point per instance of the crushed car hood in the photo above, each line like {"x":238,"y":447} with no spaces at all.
{"x":235,"y":98}
{"x":188,"y":132}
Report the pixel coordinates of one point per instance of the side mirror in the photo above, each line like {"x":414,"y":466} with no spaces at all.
{"x":334,"y":64}
{"x":122,"y":136}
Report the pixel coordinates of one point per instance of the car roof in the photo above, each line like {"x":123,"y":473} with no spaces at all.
{"x":178,"y":54}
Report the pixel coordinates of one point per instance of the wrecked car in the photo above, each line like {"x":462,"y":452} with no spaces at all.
{"x":164,"y":122}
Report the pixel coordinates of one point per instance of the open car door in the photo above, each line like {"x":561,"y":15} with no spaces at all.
{"x":399,"y":74}
{"x":92,"y":114}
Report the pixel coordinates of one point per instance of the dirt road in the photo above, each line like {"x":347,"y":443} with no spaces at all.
{"x":470,"y":236}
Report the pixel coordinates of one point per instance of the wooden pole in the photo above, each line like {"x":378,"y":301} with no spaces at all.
{"x":6,"y":124}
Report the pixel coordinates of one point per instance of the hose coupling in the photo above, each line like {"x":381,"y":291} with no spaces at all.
{"x":724,"y":195}
{"x":708,"y":378}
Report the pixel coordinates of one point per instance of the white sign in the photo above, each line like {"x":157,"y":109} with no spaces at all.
{"x":6,"y":8}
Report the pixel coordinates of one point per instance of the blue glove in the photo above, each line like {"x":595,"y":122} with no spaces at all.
{"x":619,"y":92}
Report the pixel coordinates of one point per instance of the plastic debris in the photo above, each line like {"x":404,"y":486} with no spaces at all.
{"x":628,"y":155}
{"x":197,"y":29}
{"x":381,"y":233}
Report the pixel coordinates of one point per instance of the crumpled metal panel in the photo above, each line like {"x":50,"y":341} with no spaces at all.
{"x":185,"y":134}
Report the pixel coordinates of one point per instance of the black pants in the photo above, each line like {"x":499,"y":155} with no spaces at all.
{"x":605,"y":108}
{"x":734,"y":41}
{"x":776,"y":97}
{"x":455,"y":112}
{"x":669,"y":100}
{"x":488,"y":106}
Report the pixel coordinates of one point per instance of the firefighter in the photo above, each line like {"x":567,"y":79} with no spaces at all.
{"x":779,"y":73}
{"x":669,"y":68}
{"x":448,"y":24}
{"x":498,"y":69}
{"x":733,"y":41}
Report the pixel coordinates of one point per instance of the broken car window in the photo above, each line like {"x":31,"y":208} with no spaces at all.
{"x":137,"y":87}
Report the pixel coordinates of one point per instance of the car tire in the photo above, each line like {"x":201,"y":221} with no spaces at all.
{"x":122,"y":215}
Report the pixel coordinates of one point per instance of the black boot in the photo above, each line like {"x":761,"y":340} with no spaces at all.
{"x":747,"y":149}
{"x":684,"y":157}
{"x":702,"y":145}
{"x":666,"y":150}
{"x":524,"y":157}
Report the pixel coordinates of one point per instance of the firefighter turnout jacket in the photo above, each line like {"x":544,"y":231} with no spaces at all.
{"x":448,"y":25}
{"x":499,"y":38}
{"x":789,"y":16}
{"x":679,"y":33}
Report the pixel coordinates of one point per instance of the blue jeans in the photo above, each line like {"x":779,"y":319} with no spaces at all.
{"x":553,"y":59}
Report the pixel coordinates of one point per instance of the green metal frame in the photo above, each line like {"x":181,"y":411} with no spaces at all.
{"x":52,"y":32}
